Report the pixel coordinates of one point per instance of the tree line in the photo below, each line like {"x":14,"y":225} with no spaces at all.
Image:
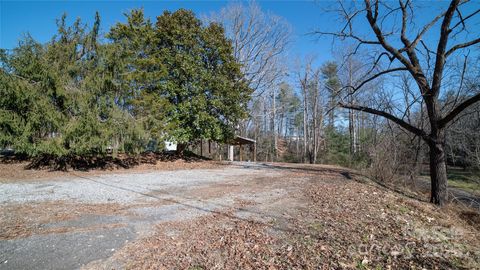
{"x":176,"y":79}
{"x":402,"y":91}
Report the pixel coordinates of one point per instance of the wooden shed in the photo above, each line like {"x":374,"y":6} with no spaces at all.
{"x":241,"y":142}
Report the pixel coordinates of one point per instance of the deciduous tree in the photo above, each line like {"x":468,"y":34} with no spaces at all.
{"x":424,"y":53}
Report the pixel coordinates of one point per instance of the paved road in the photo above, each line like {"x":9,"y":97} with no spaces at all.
{"x":144,"y":199}
{"x":455,"y":194}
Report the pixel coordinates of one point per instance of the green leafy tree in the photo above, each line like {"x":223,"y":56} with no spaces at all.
{"x":179,"y":76}
{"x":76,"y":96}
{"x":204,"y":84}
{"x":56,"y":99}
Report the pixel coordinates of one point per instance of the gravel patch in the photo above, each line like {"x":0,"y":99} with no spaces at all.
{"x":146,"y":199}
{"x":121,"y":188}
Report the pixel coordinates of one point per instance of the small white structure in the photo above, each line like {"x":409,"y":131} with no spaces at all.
{"x":170,"y":146}
{"x":230,"y":152}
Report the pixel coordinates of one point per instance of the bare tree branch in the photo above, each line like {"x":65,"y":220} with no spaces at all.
{"x":462,"y":45}
{"x":259,"y":39}
{"x":441,"y":47}
{"x":412,"y":67}
{"x":345,"y":35}
{"x":462,"y":106}
{"x":389,"y":116}
{"x":463,"y":19}
{"x":373,"y":77}
{"x":418,"y":38}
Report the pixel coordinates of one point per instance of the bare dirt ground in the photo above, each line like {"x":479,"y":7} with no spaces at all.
{"x":227,"y":216}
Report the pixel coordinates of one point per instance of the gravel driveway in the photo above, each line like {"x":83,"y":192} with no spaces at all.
{"x":69,"y":223}
{"x":230,"y":216}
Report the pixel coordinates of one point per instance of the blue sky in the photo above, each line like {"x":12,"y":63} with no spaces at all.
{"x":38,"y":18}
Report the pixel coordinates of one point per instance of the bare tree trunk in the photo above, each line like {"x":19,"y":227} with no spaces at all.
{"x":280,"y":124}
{"x":360,"y":130}
{"x":351,"y":129}
{"x":314,"y":139}
{"x":320,"y":127}
{"x":438,"y":170}
{"x":331,"y":114}
{"x":274,"y":130}
{"x":297,"y":142}
{"x":305,"y":125}
{"x":351,"y":113}
{"x":265,"y":116}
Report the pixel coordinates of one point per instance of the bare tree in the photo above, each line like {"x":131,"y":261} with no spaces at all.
{"x":313,"y":99}
{"x":332,"y":85}
{"x":259,"y":39}
{"x":351,"y":76}
{"x":400,"y":46}
{"x":303,"y":79}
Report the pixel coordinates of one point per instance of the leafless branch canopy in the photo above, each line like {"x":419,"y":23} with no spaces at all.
{"x":259,"y":40}
{"x":396,"y":44}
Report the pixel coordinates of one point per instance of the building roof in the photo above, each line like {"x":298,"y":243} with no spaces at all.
{"x":238,"y":140}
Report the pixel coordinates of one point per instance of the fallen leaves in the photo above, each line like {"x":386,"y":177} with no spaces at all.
{"x":317,"y":222}
{"x":342,"y":224}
